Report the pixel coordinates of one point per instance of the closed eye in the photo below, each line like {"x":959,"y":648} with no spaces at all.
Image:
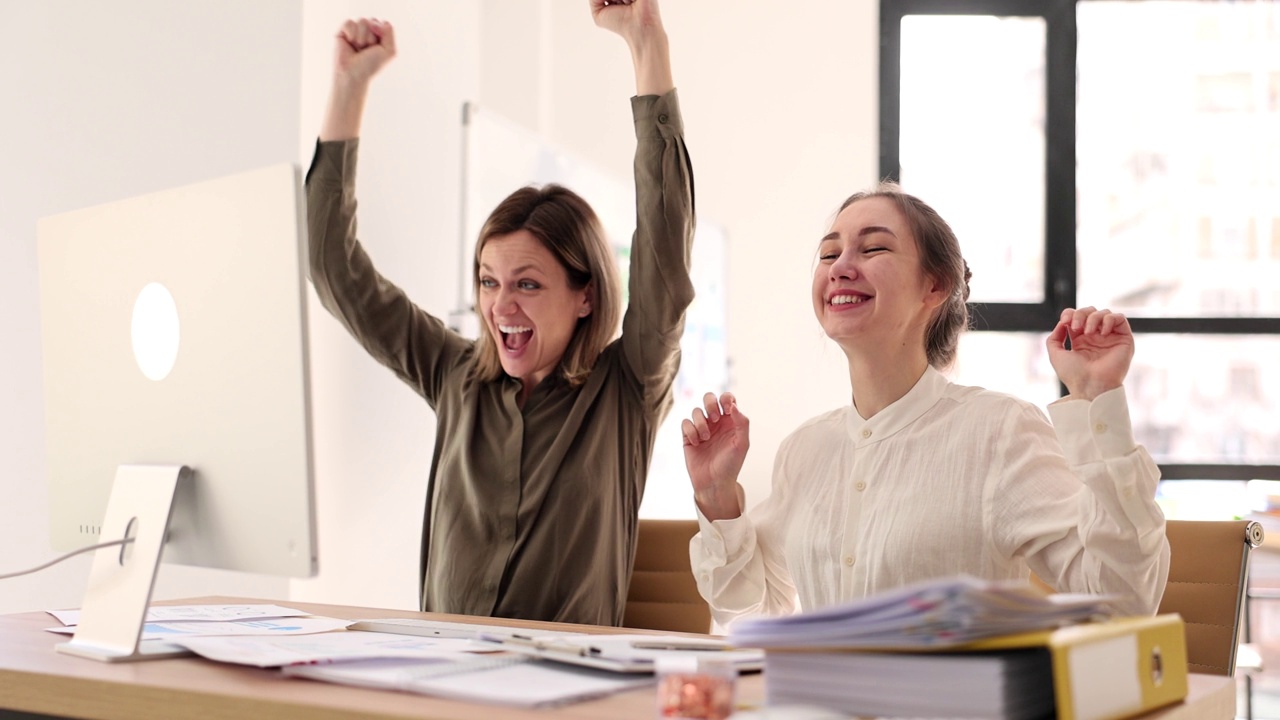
{"x":875,"y":248}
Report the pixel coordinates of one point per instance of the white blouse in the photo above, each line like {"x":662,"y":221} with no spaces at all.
{"x":948,"y":479}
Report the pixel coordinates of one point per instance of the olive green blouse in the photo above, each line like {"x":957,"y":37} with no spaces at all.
{"x":531,"y":511}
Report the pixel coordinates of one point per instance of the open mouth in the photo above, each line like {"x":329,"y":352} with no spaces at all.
{"x":515,"y":337}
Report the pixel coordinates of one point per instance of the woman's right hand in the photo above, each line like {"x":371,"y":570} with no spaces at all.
{"x":715,"y":446}
{"x":640,"y":24}
{"x":360,"y":49}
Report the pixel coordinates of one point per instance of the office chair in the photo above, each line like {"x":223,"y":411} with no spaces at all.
{"x":1207,"y":586}
{"x":663,"y":594}
{"x":1208,"y":581}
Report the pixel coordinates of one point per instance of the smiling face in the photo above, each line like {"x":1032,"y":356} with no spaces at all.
{"x":869,"y":291}
{"x":528,"y":305}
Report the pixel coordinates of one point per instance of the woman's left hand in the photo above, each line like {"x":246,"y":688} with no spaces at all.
{"x":1101,"y":350}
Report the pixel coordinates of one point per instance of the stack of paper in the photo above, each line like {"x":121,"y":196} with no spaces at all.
{"x":1012,"y":685}
{"x":937,"y":613}
{"x":1096,"y":671}
{"x":961,"y":647}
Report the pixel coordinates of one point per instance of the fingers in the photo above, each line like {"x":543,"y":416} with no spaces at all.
{"x":386,"y":35}
{"x":712,"y":405}
{"x":697,"y":428}
{"x":1088,"y":321}
{"x":366,"y":32}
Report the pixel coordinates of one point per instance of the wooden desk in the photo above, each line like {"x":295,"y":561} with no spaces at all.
{"x":34,"y":678}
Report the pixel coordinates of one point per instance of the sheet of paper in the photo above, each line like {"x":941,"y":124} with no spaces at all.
{"x":656,"y":648}
{"x":936,"y":613}
{"x":509,"y":681}
{"x":532,"y":685}
{"x":201,"y":628}
{"x":204,"y":613}
{"x":262,"y":651}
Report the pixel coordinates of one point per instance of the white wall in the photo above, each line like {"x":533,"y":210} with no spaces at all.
{"x":104,"y":101}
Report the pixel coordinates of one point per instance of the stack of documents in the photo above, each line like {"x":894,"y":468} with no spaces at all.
{"x":961,"y":647}
{"x":1095,"y":671}
{"x":937,"y":613}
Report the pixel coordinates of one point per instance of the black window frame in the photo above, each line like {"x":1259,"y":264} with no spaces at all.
{"x":1060,"y":270}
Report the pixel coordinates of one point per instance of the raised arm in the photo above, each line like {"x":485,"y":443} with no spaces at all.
{"x":660,"y":289}
{"x":1097,"y":526}
{"x":737,"y":557}
{"x":413,"y":344}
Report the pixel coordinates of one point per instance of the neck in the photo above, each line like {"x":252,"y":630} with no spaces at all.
{"x":880,"y":379}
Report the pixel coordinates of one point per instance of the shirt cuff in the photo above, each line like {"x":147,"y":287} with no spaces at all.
{"x":333,"y":164}
{"x":1090,"y":431}
{"x":657,"y":115}
{"x":721,"y":538}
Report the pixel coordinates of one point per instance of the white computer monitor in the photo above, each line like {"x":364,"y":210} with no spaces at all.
{"x":175,"y":336}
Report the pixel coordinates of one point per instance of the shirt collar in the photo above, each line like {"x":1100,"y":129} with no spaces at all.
{"x":901,"y":413}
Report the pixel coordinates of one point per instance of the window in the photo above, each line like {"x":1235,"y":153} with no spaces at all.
{"x":1125,"y":168}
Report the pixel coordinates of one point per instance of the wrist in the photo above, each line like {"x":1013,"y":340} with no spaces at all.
{"x":650,"y":55}
{"x":1089,"y":393}
{"x":717,"y":504}
{"x":345,"y":87}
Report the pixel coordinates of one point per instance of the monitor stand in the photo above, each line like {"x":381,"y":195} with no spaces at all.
{"x":122,"y":577}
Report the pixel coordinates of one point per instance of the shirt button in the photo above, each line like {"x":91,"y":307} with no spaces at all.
{"x":1100,"y":428}
{"x":861,"y":486}
{"x":706,"y":577}
{"x":848,"y":560}
{"x":866,"y":432}
{"x":662,"y":118}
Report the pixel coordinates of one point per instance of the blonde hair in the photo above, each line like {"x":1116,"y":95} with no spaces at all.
{"x":566,"y":226}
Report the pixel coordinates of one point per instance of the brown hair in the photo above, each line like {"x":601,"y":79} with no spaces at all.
{"x":567,"y":226}
{"x":941,"y":260}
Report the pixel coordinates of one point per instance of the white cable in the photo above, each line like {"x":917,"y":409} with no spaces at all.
{"x":73,"y":553}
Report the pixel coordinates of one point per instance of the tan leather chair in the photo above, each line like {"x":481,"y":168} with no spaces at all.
{"x":663,"y":594}
{"x":1208,"y":579}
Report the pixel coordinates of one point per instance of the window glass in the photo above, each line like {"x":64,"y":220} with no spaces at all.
{"x":1207,"y":399}
{"x":972,"y":142}
{"x":1204,"y":499}
{"x":1193,"y":399}
{"x":1178,"y":149}
{"x":1013,"y":363}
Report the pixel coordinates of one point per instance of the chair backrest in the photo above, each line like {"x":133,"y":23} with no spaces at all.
{"x":1208,"y":579}
{"x":663,"y":594}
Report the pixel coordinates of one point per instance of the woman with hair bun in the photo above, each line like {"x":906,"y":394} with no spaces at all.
{"x":918,"y":477}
